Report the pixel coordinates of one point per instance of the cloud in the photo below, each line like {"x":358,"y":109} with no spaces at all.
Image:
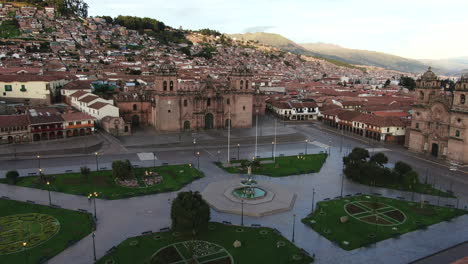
{"x":258,"y":29}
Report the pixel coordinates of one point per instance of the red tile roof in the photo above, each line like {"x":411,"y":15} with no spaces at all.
{"x":30,"y":78}
{"x":98,"y":105}
{"x":78,"y":85}
{"x":88,"y":98}
{"x":7,"y":121}
{"x":77,"y":116}
{"x":78,"y":94}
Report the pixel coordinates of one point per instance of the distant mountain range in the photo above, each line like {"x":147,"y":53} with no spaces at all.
{"x":453,"y":66}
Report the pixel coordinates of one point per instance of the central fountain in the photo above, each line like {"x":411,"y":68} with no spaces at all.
{"x":248,"y":190}
{"x":248,"y":197}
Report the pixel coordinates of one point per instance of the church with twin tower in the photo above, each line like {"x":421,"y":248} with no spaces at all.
{"x":207,"y":104}
{"x":439,"y":125}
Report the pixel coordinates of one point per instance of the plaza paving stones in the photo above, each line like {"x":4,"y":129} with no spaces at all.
{"x":277,"y":199}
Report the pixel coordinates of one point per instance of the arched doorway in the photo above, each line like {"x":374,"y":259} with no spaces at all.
{"x":135,"y":121}
{"x":60,"y":134}
{"x":10,"y":139}
{"x":187,"y":125}
{"x":75,"y":132}
{"x":82,"y":132}
{"x":227,"y":124}
{"x":69,"y":133}
{"x":209,"y":121}
{"x":435,"y":150}
{"x":36,"y":137}
{"x":51,"y":135}
{"x":44,"y":136}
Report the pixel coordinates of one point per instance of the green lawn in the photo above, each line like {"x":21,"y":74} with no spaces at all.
{"x":418,"y":188}
{"x":174,"y":178}
{"x":284,"y":166}
{"x":259,"y":245}
{"x":37,"y":225}
{"x":394,"y":217}
{"x":9,"y":29}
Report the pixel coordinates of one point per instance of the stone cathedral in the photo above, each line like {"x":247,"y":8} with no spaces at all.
{"x":175,"y":105}
{"x":439,"y":124}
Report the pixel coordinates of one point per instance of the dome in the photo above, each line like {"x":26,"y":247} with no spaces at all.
{"x":429,"y":75}
{"x":167,"y":68}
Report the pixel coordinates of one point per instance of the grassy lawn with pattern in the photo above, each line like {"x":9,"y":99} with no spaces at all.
{"x":372,"y":219}
{"x":174,"y":178}
{"x":283,"y":166}
{"x":259,"y":245}
{"x":47,"y":231}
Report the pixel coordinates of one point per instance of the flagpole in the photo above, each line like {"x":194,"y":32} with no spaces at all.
{"x":256,"y":134}
{"x":274,"y":146}
{"x":229,"y":138}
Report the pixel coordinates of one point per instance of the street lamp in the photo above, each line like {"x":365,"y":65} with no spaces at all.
{"x":242,"y":212}
{"x":219,"y":152}
{"x":26,"y":253}
{"x":38,"y":161}
{"x":294,"y":226}
{"x":238,"y":151}
{"x":342,"y":182}
{"x":154,"y":159}
{"x":306,"y":142}
{"x":97,"y":161}
{"x":194,"y":143}
{"x":94,"y":195}
{"x":94,"y":246}
{"x":48,"y":188}
{"x":272,"y":149}
{"x":313,"y":199}
{"x":198,"y":160}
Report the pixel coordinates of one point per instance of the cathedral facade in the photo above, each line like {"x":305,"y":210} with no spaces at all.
{"x":439,"y":125}
{"x":175,"y":105}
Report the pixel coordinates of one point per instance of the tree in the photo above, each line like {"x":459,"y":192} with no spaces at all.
{"x":387,"y":83}
{"x":122,"y":170}
{"x":85,"y":171}
{"x":408,"y":82}
{"x":379,"y":159}
{"x":401,"y":168}
{"x":12,"y":177}
{"x":189,"y":212}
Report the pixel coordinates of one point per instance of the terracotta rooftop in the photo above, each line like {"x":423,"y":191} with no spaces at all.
{"x":30,"y":78}
{"x":78,"y":85}
{"x":77,"y":116}
{"x":45,"y":119}
{"x":89,"y":98}
{"x":13,"y":120}
{"x":78,"y":94}
{"x":98,"y":105}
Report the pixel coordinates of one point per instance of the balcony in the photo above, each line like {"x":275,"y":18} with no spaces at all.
{"x":38,"y":130}
{"x":79,"y":126}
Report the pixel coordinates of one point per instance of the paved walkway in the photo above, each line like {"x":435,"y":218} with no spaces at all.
{"x":118,"y":220}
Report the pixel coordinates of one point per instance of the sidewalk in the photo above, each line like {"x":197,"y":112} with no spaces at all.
{"x":76,"y":145}
{"x":393,"y":147}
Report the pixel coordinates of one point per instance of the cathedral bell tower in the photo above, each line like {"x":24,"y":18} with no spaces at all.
{"x":427,"y":87}
{"x":166,"y":78}
{"x":240,"y":79}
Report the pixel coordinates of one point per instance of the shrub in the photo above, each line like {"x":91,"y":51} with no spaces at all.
{"x":12,"y":177}
{"x":122,"y":169}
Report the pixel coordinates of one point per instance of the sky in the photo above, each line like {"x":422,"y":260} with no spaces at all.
{"x":418,"y":29}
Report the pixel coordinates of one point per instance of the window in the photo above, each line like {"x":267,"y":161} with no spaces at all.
{"x":126,"y":128}
{"x":417,"y":125}
{"x":171,"y":86}
{"x":70,"y":123}
{"x":243,"y":108}
{"x":421,"y":95}
{"x":134,"y":107}
{"x":457,"y":133}
{"x":208,"y":102}
{"x":23,"y":88}
{"x":462,"y":99}
{"x":185,"y":102}
{"x":241,"y":84}
{"x":164,"y":86}
{"x":228,"y":101}
{"x":168,"y":111}
{"x":246,"y":84}
{"x":388,"y":129}
{"x":8,"y":88}
{"x":78,"y":123}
